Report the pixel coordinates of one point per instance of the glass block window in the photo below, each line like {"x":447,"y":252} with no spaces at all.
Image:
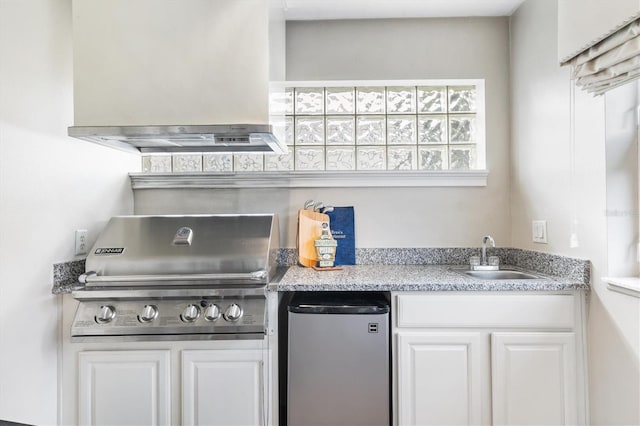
{"x":426,"y":125}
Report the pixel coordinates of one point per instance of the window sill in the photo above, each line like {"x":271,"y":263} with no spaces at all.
{"x":625,"y":285}
{"x":471,"y":178}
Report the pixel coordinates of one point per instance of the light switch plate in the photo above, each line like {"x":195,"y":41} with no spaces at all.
{"x":539,"y":231}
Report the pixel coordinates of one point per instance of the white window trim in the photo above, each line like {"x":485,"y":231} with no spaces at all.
{"x":321,"y":179}
{"x":628,"y":285}
{"x":625,"y":285}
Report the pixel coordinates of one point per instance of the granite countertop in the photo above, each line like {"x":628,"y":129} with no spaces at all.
{"x":414,"y":278}
{"x":405,"y":269}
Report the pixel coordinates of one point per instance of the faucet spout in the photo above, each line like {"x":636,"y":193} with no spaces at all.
{"x":483,"y":259}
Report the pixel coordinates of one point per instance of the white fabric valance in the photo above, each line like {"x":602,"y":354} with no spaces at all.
{"x":610,"y":62}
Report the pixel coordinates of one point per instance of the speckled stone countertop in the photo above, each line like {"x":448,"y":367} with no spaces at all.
{"x":414,"y":278}
{"x":65,"y":276}
{"x":397,"y":269}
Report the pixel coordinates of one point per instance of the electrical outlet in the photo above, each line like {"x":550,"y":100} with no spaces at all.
{"x":539,"y":231}
{"x":81,"y":241}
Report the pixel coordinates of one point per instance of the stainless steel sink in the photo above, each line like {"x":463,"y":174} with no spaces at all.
{"x":502,"y":274}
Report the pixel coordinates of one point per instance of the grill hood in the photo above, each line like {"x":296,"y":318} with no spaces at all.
{"x":177,"y":76}
{"x":191,"y":249}
{"x":192,"y":138}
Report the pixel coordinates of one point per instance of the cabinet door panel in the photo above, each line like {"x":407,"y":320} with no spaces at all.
{"x":124,"y":388}
{"x":486,"y":310}
{"x":439,"y":378}
{"x":222,"y":387}
{"x":534,"y":378}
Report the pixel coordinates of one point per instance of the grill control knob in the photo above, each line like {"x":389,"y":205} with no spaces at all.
{"x":212,"y":312}
{"x":190,"y":313}
{"x":149,"y":313}
{"x":107,"y":314}
{"x":233,"y":312}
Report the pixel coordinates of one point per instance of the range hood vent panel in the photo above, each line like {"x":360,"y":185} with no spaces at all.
{"x":194,"y":138}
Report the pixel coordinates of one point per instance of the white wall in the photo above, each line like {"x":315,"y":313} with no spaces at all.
{"x":379,"y":50}
{"x":585,"y":21}
{"x":542,"y":189}
{"x":50,"y":185}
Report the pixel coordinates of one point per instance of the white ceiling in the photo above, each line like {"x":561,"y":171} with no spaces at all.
{"x":372,"y":9}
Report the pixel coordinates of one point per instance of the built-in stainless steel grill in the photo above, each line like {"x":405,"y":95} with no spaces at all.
{"x":195,"y":277}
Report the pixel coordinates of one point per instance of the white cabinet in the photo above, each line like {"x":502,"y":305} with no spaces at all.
{"x":489,"y":358}
{"x":213,"y":387}
{"x":534,"y":379}
{"x":440,"y":381}
{"x":124,"y":388}
{"x":222,"y":388}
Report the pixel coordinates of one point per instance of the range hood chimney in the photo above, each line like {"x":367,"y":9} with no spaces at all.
{"x":173,"y":76}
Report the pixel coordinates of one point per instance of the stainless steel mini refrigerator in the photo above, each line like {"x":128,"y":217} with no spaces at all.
{"x":338,"y":359}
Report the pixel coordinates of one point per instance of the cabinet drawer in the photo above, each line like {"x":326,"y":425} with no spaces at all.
{"x":486,"y":310}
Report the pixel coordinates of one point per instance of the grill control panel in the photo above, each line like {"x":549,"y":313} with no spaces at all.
{"x":222,"y":315}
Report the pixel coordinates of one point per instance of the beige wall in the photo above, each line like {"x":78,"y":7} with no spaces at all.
{"x":542,"y":189}
{"x":390,"y":49}
{"x":50,"y":185}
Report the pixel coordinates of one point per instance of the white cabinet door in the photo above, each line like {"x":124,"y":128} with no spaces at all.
{"x":534,"y":378}
{"x":124,"y":388}
{"x":222,"y":387}
{"x":439,"y":378}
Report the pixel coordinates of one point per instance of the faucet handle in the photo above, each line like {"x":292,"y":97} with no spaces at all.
{"x":490,"y":239}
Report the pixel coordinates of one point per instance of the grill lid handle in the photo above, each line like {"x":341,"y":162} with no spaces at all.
{"x":84,"y":278}
{"x":92,"y":277}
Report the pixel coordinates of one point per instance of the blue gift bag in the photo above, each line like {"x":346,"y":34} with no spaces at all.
{"x":341,"y":222}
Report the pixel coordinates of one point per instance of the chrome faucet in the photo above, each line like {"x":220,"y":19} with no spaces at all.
{"x":483,"y":259}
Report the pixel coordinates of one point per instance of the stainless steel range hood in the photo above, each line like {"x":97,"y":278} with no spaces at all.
{"x":191,"y":138}
{"x":166,"y":76}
